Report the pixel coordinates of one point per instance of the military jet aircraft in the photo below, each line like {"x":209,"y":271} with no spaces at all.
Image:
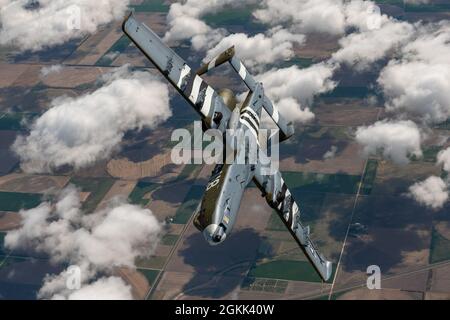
{"x":216,"y":213}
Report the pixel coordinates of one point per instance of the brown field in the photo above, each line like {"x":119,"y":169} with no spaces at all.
{"x":71,"y":77}
{"x":396,"y":179}
{"x":30,"y":77}
{"x":437,"y":296}
{"x":18,"y":182}
{"x":102,"y":46}
{"x":136,"y":280}
{"x":9,"y":220}
{"x":318,"y":46}
{"x":347,"y":160}
{"x":154,"y":167}
{"x":440,"y":281}
{"x":416,"y":282}
{"x":96,"y":46}
{"x":443,"y":228}
{"x":301,"y":289}
{"x":383,"y":294}
{"x":10,"y":72}
{"x":345,"y":113}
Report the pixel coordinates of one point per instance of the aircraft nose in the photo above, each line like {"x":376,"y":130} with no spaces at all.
{"x":214,"y":234}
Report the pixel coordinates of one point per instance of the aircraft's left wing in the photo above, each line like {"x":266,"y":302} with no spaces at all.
{"x":280,"y":198}
{"x":194,"y":89}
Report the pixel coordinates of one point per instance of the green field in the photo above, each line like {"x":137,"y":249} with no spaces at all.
{"x":169,"y":239}
{"x":438,"y":7}
{"x":140,"y":190}
{"x":299,"y":182}
{"x":15,"y":201}
{"x":151,"y":6}
{"x":369,"y":177}
{"x":2,"y":243}
{"x":98,"y":187}
{"x":154,"y":262}
{"x":150,"y":275}
{"x":440,"y":247}
{"x":286,"y":270}
{"x":242,"y":16}
{"x":190,"y":203}
{"x":429,"y":154}
{"x":14,"y":121}
{"x":267,"y":285}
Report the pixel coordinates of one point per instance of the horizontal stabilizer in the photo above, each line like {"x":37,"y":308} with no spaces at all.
{"x":286,"y":128}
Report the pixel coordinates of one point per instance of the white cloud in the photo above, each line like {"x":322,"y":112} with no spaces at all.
{"x":106,"y":288}
{"x":293,"y":89}
{"x":184,"y":20}
{"x":304,"y":15}
{"x":45,"y":71}
{"x":444,"y":159}
{"x":419,"y":83}
{"x":330,"y":154}
{"x":432,"y":192}
{"x":80,"y":131}
{"x":52,"y":22}
{"x":259,"y":50}
{"x":396,"y":140}
{"x":96,"y":242}
{"x":361,"y":49}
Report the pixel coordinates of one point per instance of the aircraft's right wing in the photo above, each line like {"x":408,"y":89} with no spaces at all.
{"x":280,"y":198}
{"x":194,"y":89}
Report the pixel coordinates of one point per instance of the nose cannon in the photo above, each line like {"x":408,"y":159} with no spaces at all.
{"x":214,"y":234}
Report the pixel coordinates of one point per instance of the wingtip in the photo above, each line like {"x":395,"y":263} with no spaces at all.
{"x":129,"y":14}
{"x":329,"y":270}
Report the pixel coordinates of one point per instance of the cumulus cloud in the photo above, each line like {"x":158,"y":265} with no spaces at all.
{"x":304,"y":15}
{"x":54,"y":22}
{"x":184,"y":20}
{"x":444,"y":159}
{"x":362,"y":49}
{"x":395,"y":140}
{"x":45,"y":71}
{"x":418,"y":84}
{"x":80,"y":131}
{"x":295,"y":96}
{"x":96,"y":243}
{"x":261,"y":49}
{"x":330,"y":154}
{"x":432,"y":192}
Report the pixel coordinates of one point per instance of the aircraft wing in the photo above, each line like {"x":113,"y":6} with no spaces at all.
{"x":191,"y":86}
{"x":281,"y":200}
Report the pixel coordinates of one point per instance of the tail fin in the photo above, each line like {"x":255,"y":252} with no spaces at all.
{"x":286,"y":128}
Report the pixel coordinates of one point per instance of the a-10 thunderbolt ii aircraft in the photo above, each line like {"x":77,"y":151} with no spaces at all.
{"x":216,"y":213}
